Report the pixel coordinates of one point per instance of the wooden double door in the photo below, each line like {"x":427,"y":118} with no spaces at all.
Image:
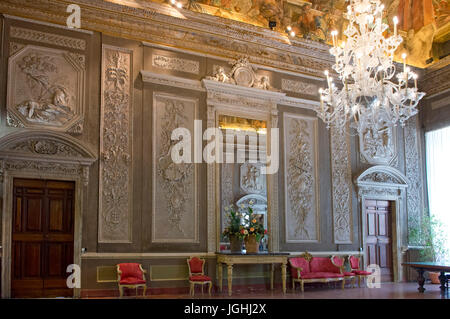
{"x":42,"y":238}
{"x":378,"y":236}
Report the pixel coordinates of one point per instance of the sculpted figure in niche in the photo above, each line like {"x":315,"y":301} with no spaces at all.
{"x":49,"y":101}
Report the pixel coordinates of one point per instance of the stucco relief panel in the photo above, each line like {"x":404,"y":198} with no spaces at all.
{"x":301,"y":179}
{"x":45,"y":88}
{"x":378,"y":148}
{"x":115,"y":186}
{"x":342,"y":186}
{"x":175,"y":206}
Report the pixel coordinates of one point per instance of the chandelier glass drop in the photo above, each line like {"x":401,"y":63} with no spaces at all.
{"x":371,"y":95}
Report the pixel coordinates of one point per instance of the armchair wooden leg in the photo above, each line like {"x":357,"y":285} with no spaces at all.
{"x":343,"y":284}
{"x":293,"y":285}
{"x":302,"y":286}
{"x":210,"y":287}
{"x":121,"y":291}
{"x":359,"y":281}
{"x":202,"y":288}
{"x":354,"y":282}
{"x":145,"y":291}
{"x":191,"y":289}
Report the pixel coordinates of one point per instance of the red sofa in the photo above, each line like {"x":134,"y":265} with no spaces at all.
{"x":306,"y":269}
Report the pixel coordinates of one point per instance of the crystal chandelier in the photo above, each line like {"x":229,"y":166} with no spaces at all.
{"x":368,"y":97}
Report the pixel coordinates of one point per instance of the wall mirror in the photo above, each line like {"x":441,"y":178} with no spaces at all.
{"x":241,"y":181}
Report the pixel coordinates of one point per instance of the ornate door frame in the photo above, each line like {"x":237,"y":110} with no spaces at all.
{"x":385,"y":183}
{"x":236,"y":100}
{"x":43,"y":155}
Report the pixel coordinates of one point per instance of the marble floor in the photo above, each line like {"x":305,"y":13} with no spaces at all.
{"x":386,"y":291}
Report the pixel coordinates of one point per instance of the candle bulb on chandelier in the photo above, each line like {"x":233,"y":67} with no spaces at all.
{"x":404,"y":62}
{"x":415,"y":80}
{"x":395,"y":25}
{"x":334,"y":37}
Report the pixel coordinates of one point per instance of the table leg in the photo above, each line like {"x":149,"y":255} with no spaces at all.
{"x":283,"y":276}
{"x":272,"y":271}
{"x":442,"y":280}
{"x":420,"y":280}
{"x":220,"y":271}
{"x":230,"y":278}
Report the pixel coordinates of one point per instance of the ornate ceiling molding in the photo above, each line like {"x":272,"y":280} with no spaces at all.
{"x":160,"y":23}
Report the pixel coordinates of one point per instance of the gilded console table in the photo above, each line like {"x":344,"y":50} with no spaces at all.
{"x":230,"y":259}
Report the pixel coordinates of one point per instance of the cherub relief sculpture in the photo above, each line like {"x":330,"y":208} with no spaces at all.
{"x":242,"y":74}
{"x":221,"y":76}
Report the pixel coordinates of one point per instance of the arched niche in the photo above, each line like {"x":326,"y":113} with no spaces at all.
{"x":39,"y":154}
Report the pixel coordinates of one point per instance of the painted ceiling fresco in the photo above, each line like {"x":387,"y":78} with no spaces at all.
{"x":424,"y":24}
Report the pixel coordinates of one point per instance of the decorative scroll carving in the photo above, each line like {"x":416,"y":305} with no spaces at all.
{"x":115,"y":203}
{"x":48,"y":38}
{"x":227,"y":189}
{"x":46,"y":147}
{"x":299,"y":87}
{"x":242,"y":74}
{"x":54,"y":168}
{"x":378,"y":147}
{"x":251,"y":179}
{"x":301,"y":179}
{"x":342,"y":186}
{"x":12,"y":121}
{"x":15,"y":47}
{"x":45,"y":88}
{"x":177,"y":64}
{"x":175,"y":211}
{"x":413,"y":171}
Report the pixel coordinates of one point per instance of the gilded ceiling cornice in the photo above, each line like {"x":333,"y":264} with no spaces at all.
{"x":162,"y":24}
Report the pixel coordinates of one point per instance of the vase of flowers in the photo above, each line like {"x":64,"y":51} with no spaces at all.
{"x":253,"y":231}
{"x":233,"y":231}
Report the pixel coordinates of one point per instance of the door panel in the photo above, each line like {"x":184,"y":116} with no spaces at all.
{"x":378,"y":236}
{"x":42,"y":236}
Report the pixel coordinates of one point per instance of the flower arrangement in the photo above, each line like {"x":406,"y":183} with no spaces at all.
{"x":253,"y":227}
{"x":243,"y":224}
{"x":234,"y":228}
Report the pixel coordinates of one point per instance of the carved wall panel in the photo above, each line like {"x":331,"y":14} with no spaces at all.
{"x":378,"y":148}
{"x":176,"y":64}
{"x":45,"y":88}
{"x":299,"y":87}
{"x":342,"y":186}
{"x":227,"y":189}
{"x":413,"y":171}
{"x":115,"y":181}
{"x":301,"y":179}
{"x":175,"y":204}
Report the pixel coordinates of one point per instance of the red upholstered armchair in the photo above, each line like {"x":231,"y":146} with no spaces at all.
{"x":131,"y":275}
{"x":354,"y":266}
{"x":339,"y":262}
{"x":306,"y":269}
{"x":197,"y":274}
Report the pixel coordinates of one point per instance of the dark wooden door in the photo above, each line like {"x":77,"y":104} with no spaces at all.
{"x":379,"y":236}
{"x":42,"y":238}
